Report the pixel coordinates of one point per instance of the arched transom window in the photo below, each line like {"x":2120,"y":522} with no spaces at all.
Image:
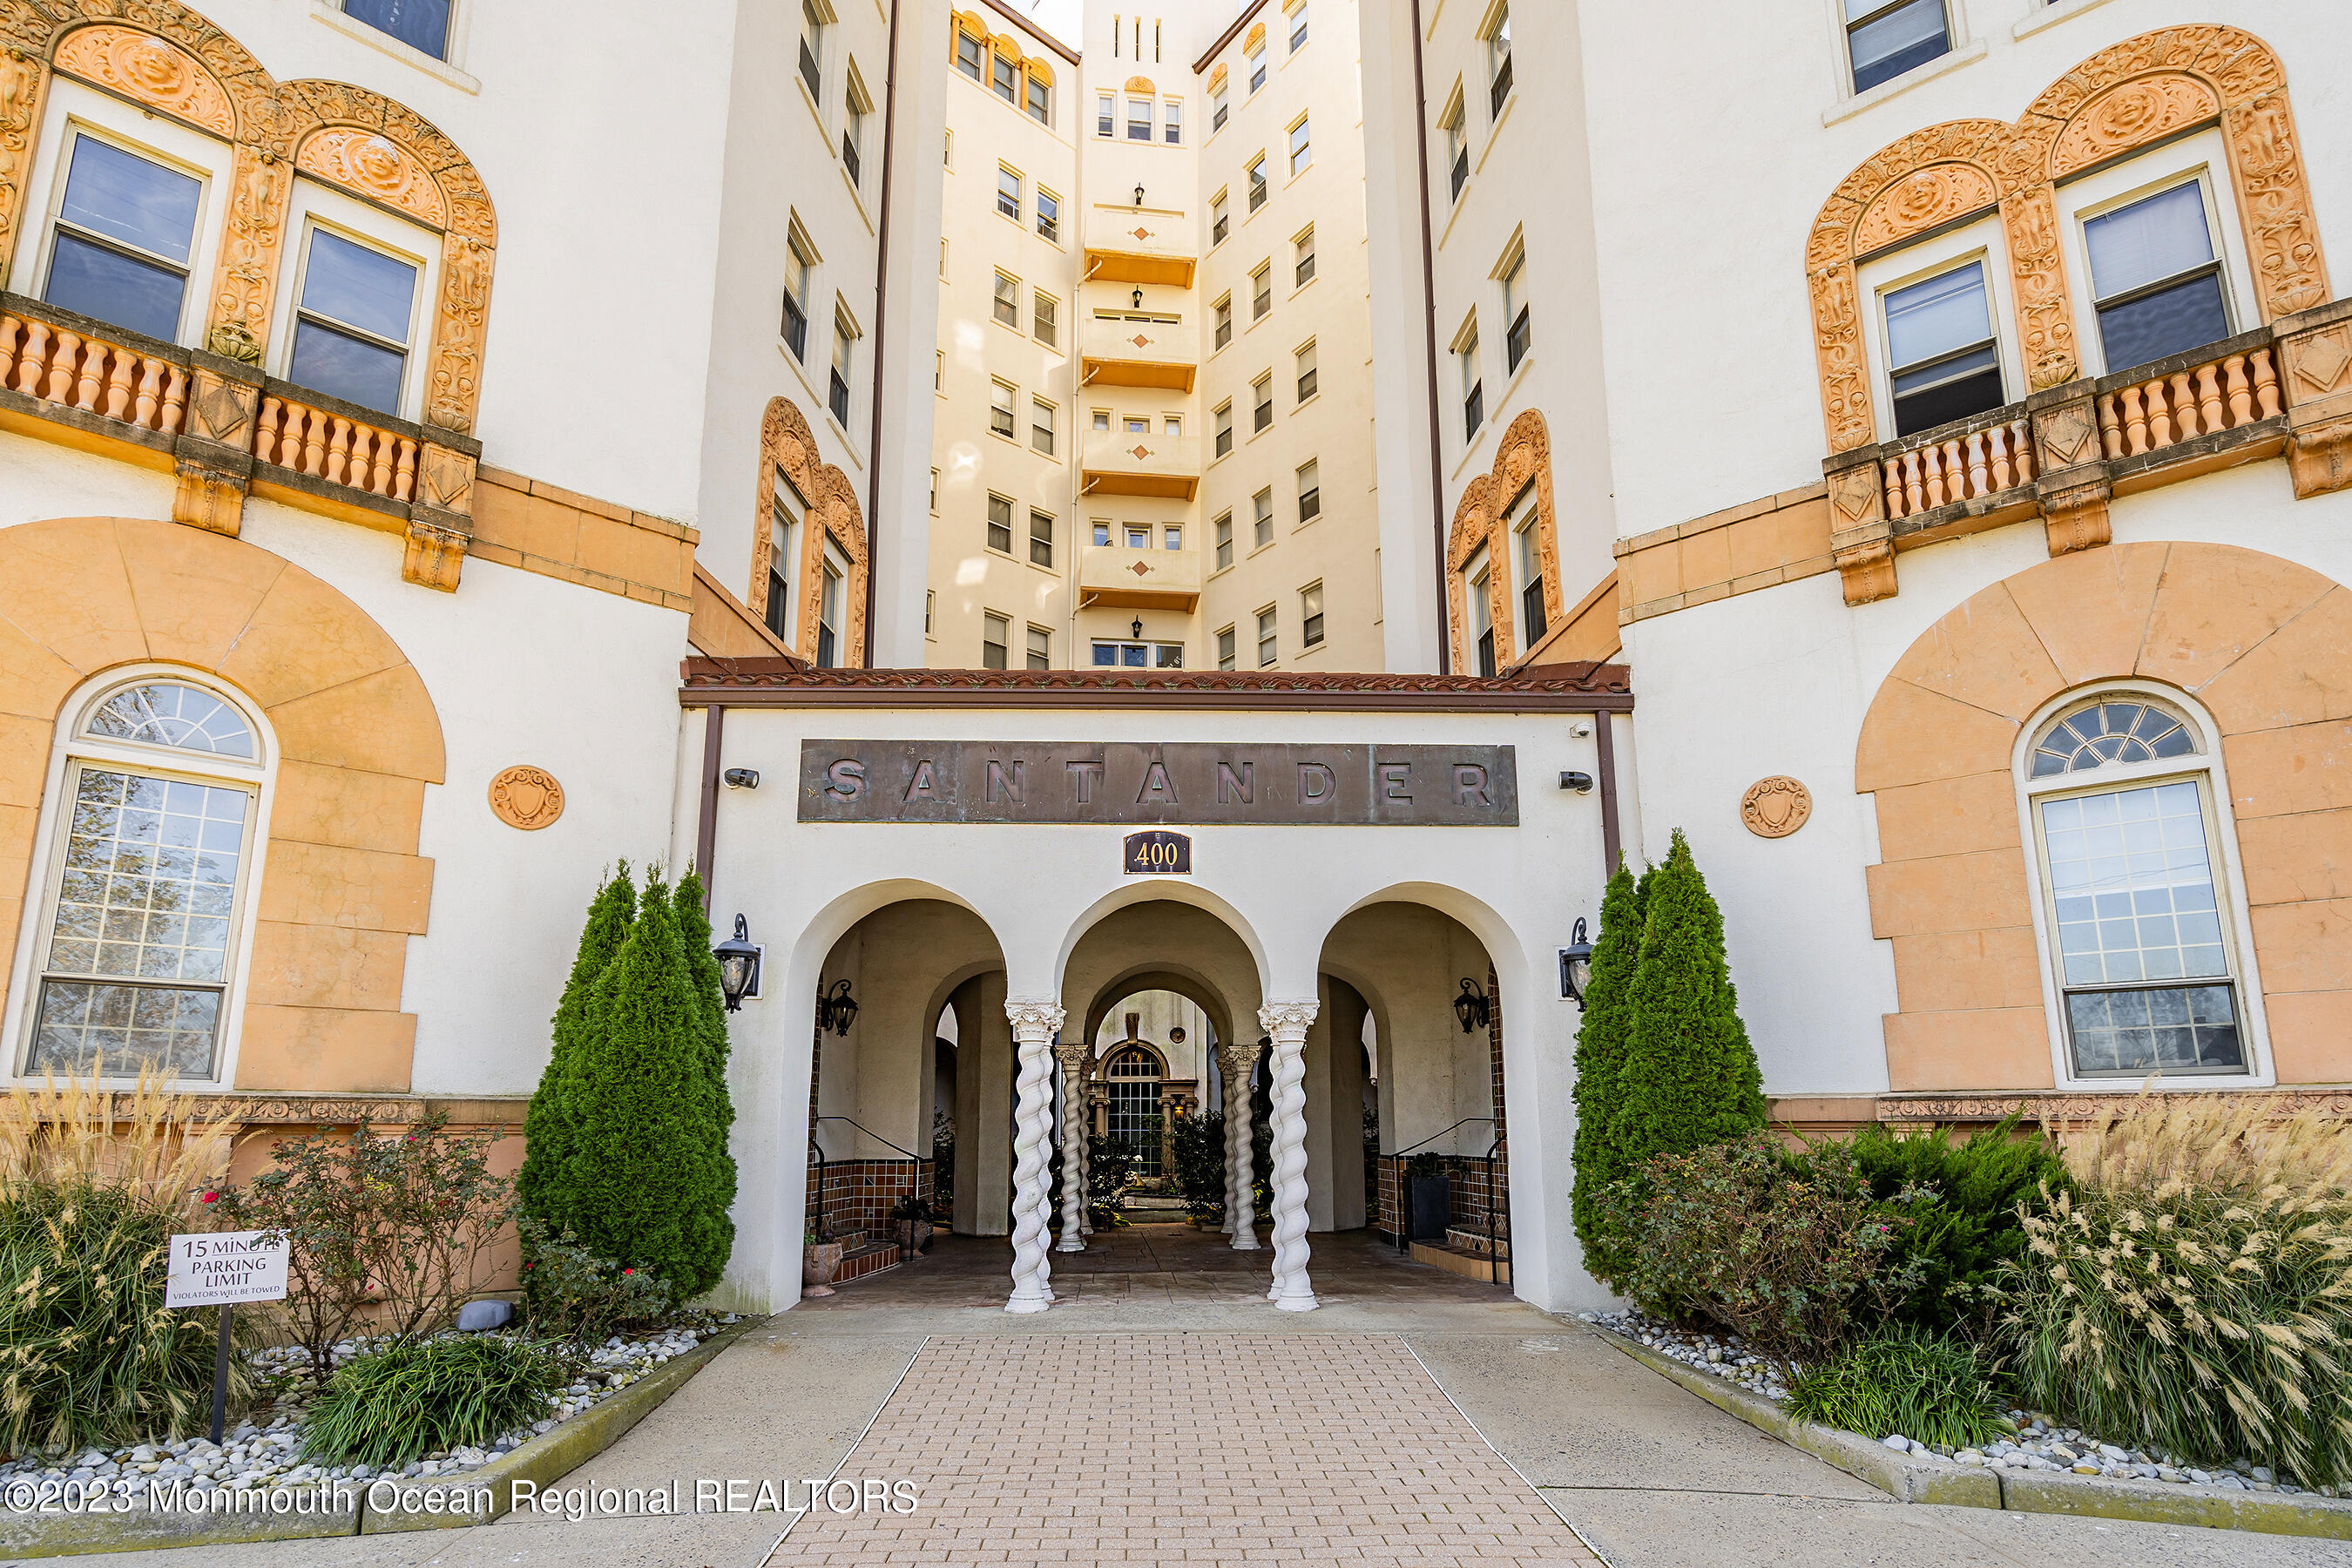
{"x":150,"y":863}
{"x":2127,"y":826}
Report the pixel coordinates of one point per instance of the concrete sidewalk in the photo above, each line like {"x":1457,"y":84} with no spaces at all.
{"x":1650,"y":1475}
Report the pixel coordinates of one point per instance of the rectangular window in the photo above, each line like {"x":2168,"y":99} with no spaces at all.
{"x":1310,"y":492}
{"x":1476,"y":585}
{"x":136,"y":967}
{"x":968,"y":50}
{"x":838,"y":387}
{"x":1041,"y":425}
{"x":1172,"y":121}
{"x":422,"y":24}
{"x":1127,"y":655}
{"x":1221,"y":221}
{"x":1225,"y":540}
{"x":1007,"y":306}
{"x":1000,"y":408}
{"x":2157,"y":282}
{"x":1261,"y":290}
{"x":1046,"y":319}
{"x":783,"y":558}
{"x":1224,"y":428}
{"x":1102,"y":418}
{"x":351,"y":325}
{"x":1049,"y":216}
{"x":1474,"y":385}
{"x":1040,"y":649}
{"x":1298,"y":28}
{"x":1172,"y":426}
{"x":1006,"y":80}
{"x":1302,"y":269}
{"x":1041,"y":102}
{"x":1000,"y":524}
{"x":1224,"y":313}
{"x":1457,"y":149}
{"x":1102,"y":531}
{"x":121,"y":246}
{"x":930,"y":609}
{"x":1008,"y":194}
{"x":1302,"y":150}
{"x":1138,"y":120}
{"x":828,"y":608}
{"x":1217,"y":110}
{"x":2132,"y":894}
{"x":1942,"y":361}
{"x":1266,"y":638}
{"x":994,"y":631}
{"x":1262,"y":390}
{"x":797,"y":272}
{"x":1307,"y":382}
{"x":1041,"y":538}
{"x":1106,"y":113}
{"x":1138,"y":536}
{"x":853,"y":131}
{"x":1171,"y":537}
{"x":1887,"y":37}
{"x":1225,"y":648}
{"x":1527,"y":553}
{"x":812,"y":48}
{"x":1521,"y":336}
{"x":1262,"y":505}
{"x":1257,"y":68}
{"x":1498,"y":62}
{"x":1310,"y":616}
{"x":1258,"y":182}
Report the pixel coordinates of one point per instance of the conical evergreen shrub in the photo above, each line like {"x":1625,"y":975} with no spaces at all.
{"x":1601,"y":1046}
{"x":695,"y":936}
{"x":547,"y":1124}
{"x":645,"y":1177}
{"x":1689,"y":1077}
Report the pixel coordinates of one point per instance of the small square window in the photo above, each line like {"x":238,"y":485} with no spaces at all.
{"x":1138,"y":536}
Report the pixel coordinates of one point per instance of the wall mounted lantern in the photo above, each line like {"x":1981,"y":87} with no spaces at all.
{"x":1138,"y":628}
{"x":837,"y":1009}
{"x":1471,"y":1007}
{"x":1138,"y":298}
{"x":1139,"y":198}
{"x":1576,"y":966}
{"x":739,"y":965}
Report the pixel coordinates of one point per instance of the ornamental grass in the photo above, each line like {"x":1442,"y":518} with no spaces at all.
{"x":2195,"y":1294}
{"x":426,"y":1396}
{"x":1928,"y":1386}
{"x":93,"y":1184}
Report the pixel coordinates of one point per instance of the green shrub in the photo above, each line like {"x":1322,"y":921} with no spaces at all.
{"x":547,"y":1123}
{"x":1196,"y":1143}
{"x":570,"y":1293}
{"x":90,"y":1193}
{"x":702,"y":969}
{"x":423,"y":1396}
{"x":1601,"y":1043}
{"x":2194,"y":1294}
{"x":1110,"y":1172}
{"x":1928,"y":1386}
{"x":1781,"y":1248}
{"x":1963,"y":1202}
{"x":1689,"y":1077}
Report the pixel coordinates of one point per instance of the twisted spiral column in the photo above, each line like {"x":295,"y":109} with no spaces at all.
{"x":1073,"y":1144}
{"x":1241,"y":1206}
{"x":1034,"y":1023}
{"x":1287,"y":1023}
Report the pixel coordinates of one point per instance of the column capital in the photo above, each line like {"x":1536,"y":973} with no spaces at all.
{"x":1036,"y":1016}
{"x":1287,"y":1020}
{"x":1073,"y":1053}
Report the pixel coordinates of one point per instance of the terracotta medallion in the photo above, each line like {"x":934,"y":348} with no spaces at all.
{"x":1776,"y":807}
{"x":526,"y":797}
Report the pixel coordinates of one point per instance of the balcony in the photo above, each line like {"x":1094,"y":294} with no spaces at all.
{"x":227,"y":431}
{"x":1136,"y":348}
{"x":1126,"y":463}
{"x":1115,"y":577}
{"x":1139,"y":244}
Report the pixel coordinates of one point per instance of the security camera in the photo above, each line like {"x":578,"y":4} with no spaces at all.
{"x":1580,"y":783}
{"x":1582,"y":730}
{"x":742,"y":778}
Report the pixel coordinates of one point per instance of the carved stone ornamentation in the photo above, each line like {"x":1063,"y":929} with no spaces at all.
{"x":455,"y":385}
{"x":1238,"y":1060}
{"x":2077,"y":518}
{"x":1927,"y":199}
{"x":2037,"y":279}
{"x":204,"y":497}
{"x":444,"y":480}
{"x":1073,"y":1055}
{"x":1287,"y":1023}
{"x":829,"y":501}
{"x":435,"y":556}
{"x":1776,"y":807}
{"x":2067,"y":435}
{"x":22,"y":77}
{"x":1034,"y":1023}
{"x":368,"y":161}
{"x":1855,"y":497}
{"x":1522,"y":457}
{"x":2276,"y":206}
{"x":2133,"y":114}
{"x":526,"y":797}
{"x":145,"y":68}
{"x":1864,"y":558}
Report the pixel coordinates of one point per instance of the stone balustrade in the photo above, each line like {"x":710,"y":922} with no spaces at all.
{"x":2165,"y":410}
{"x":227,"y":432}
{"x":1995,"y":455}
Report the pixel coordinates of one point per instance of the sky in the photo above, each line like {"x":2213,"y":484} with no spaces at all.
{"x":1062,"y":17}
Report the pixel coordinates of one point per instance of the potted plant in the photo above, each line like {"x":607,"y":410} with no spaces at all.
{"x":1430,"y":1196}
{"x":912,"y":1219}
{"x":820,"y":1263}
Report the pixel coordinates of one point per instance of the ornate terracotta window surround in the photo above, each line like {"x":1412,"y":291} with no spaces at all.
{"x":227,"y":429}
{"x":1522,"y":458}
{"x":786,"y":442}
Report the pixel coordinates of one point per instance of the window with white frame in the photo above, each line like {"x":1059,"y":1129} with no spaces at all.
{"x":1302,"y":268}
{"x":1516,"y":309}
{"x":1223,"y":313}
{"x":1310,"y":492}
{"x":1008,"y":194}
{"x":2137,"y":907}
{"x":1138,"y":536}
{"x":1225,"y":425}
{"x":354,"y":317}
{"x":969,"y":49}
{"x":1943,"y":363}
{"x":1225,"y":648}
{"x":422,"y":24}
{"x":146,"y":883}
{"x":1257,"y":181}
{"x":996,"y":632}
{"x":1041,"y":538}
{"x":1476,"y":583}
{"x":1217,"y":108}
{"x":1457,"y":146}
{"x":2156,"y":276}
{"x":1474,"y":380}
{"x":1040,"y":649}
{"x":836,"y":392}
{"x":1006,"y":304}
{"x":1302,"y":147}
{"x":1886,"y":37}
{"x":813,"y":22}
{"x":830,"y":595}
{"x":1267,"y":650}
{"x":1527,"y":560}
{"x":123,"y":237}
{"x":1105,"y":114}
{"x":1041,"y":102}
{"x":1129,"y":654}
{"x":1172,"y":121}
{"x":1298,"y":26}
{"x":1138,"y":119}
{"x":1045,"y":319}
{"x":1261,"y":394}
{"x":1310,"y":381}
{"x":1102,"y":531}
{"x":1172,"y":536}
{"x":1262,"y":510}
{"x":1041,"y":425}
{"x":1257,"y":68}
{"x":1310,"y":616}
{"x":1224,"y":534}
{"x":1498,"y":61}
{"x":800,"y":266}
{"x":1221,"y":221}
{"x":1261,"y":290}
{"x":786,"y":516}
{"x":999,"y":523}
{"x":1006,"y":79}
{"x":1049,"y":216}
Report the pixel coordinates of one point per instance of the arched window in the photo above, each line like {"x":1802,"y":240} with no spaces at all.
{"x":2138,"y":917}
{"x":149,"y":864}
{"x":1133,"y":1076}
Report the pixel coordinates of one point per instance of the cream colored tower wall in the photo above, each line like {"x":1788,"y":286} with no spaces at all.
{"x":985,"y":137}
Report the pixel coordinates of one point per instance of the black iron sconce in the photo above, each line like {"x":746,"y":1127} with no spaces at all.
{"x":1139,"y":198}
{"x":1473,"y":1008}
{"x":837,"y":1009}
{"x":1576,"y":966}
{"x":739,"y":966}
{"x":1137,"y":628}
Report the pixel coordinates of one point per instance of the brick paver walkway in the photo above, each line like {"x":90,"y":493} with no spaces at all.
{"x":1071,"y":1449}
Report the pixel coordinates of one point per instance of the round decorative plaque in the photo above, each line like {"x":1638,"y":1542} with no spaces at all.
{"x":1776,"y":807}
{"x":526,"y":797}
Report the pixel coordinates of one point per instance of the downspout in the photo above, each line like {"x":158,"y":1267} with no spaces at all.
{"x":881,"y":332}
{"x":1604,"y":738}
{"x":706,"y":827}
{"x":1429,"y":328}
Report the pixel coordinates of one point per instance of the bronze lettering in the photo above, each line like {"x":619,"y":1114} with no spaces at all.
{"x":924,"y":784}
{"x":1084,"y":776}
{"x":846,"y":778}
{"x":1470,"y":784}
{"x":1394,"y":778}
{"x":1315,"y":781}
{"x":1004,"y":786}
{"x":1243,"y":784}
{"x":1157,"y":789}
